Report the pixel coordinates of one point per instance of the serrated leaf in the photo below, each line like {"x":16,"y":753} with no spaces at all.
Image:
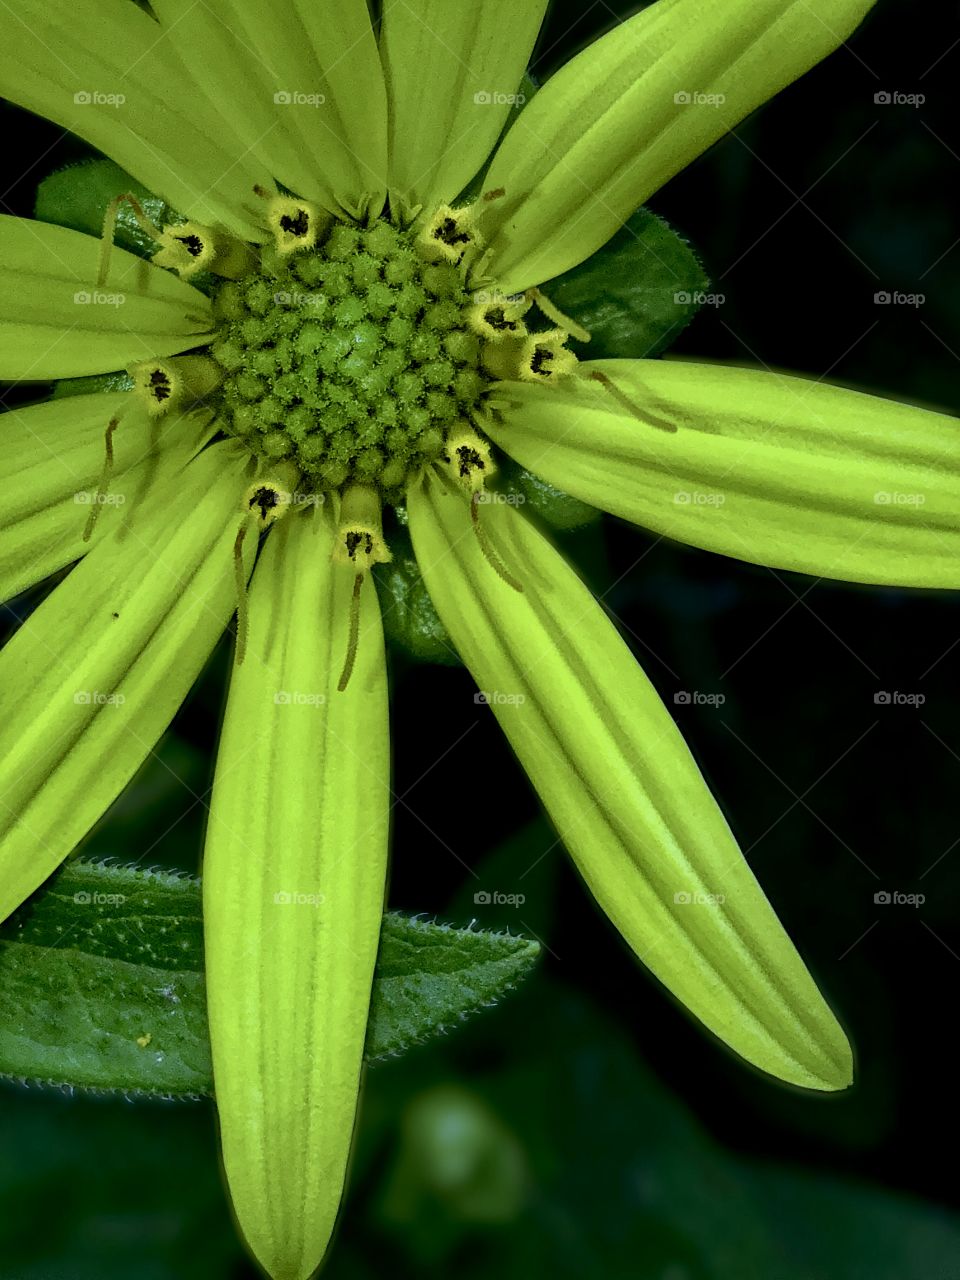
{"x":558,"y":509}
{"x":636,"y":294}
{"x":410,"y":620}
{"x":101,"y":982}
{"x":421,"y":965}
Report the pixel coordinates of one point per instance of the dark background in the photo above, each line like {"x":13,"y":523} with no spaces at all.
{"x":587,"y":1126}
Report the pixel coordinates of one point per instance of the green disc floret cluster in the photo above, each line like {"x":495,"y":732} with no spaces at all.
{"x":352,"y":359}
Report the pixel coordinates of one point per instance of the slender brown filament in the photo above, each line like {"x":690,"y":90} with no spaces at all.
{"x":490,"y":554}
{"x":103,"y":484}
{"x":642,"y":415}
{"x":240,"y":579}
{"x":110,"y":228}
{"x":354,"y":639}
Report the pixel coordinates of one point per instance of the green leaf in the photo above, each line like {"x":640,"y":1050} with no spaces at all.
{"x":558,"y":509}
{"x":636,"y":294}
{"x":410,"y":620}
{"x":78,"y":196}
{"x":101,"y":982}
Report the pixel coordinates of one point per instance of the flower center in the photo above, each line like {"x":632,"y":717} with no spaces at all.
{"x":353,"y":359}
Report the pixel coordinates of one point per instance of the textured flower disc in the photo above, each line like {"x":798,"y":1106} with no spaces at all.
{"x":352,"y":358}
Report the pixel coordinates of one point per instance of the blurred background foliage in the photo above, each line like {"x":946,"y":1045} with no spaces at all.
{"x":586,"y":1126}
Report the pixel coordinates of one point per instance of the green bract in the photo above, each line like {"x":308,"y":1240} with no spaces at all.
{"x":349,"y":328}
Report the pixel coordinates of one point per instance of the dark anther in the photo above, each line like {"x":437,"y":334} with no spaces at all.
{"x":447,"y":233}
{"x":160,"y":386}
{"x":192,"y":244}
{"x":468,"y":461}
{"x":266,"y":499}
{"x":298,"y":226}
{"x":542,"y":356}
{"x":496,"y":194}
{"x":497,"y":319}
{"x":358,"y":538}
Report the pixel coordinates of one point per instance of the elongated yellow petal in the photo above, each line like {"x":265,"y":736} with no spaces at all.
{"x":104,"y":70}
{"x":293,"y":890}
{"x":53,"y":458}
{"x":620,"y":119}
{"x":55,"y":322}
{"x":777,"y":470}
{"x":622,"y":789}
{"x":97,"y":672}
{"x":453,"y":72}
{"x":302,"y":85}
